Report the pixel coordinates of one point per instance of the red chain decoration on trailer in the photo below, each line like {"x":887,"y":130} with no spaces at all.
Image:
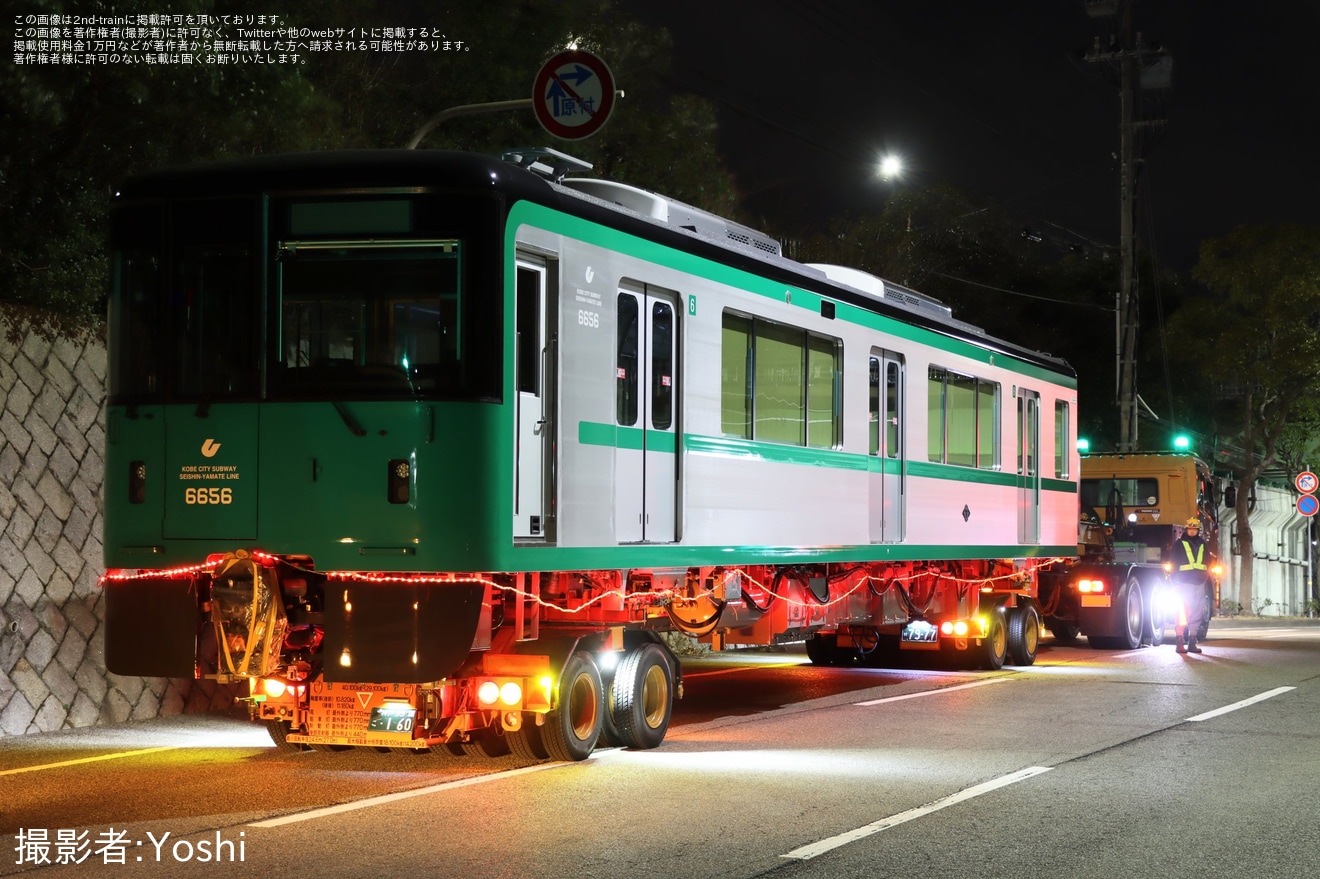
{"x":636,"y":598}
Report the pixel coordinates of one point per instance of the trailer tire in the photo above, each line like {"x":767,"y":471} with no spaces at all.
{"x":642,"y":697}
{"x":822,"y":649}
{"x":573,"y":728}
{"x":279,"y":734}
{"x":1023,"y":634}
{"x":526,"y":743}
{"x":994,"y":646}
{"x":486,"y":744}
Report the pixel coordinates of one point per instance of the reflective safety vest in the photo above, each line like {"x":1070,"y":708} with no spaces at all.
{"x":1193,"y":564}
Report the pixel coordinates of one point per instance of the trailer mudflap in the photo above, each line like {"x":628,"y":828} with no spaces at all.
{"x":151,"y":627}
{"x":411,"y":632}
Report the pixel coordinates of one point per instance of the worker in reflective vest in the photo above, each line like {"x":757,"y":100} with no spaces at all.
{"x":1189,"y":555}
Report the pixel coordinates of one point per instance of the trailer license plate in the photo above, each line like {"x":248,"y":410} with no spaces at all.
{"x":391,"y":717}
{"x":920,"y":632}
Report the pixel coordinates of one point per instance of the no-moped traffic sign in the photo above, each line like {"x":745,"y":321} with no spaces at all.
{"x":1306,"y":482}
{"x":573,"y":94}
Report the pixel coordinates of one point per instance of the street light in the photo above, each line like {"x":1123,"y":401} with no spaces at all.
{"x":890,"y":167}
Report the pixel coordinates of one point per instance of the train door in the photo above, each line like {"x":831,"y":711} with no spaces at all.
{"x":532,"y":422}
{"x":886,"y":447}
{"x":1028,"y":466}
{"x":646,"y":391}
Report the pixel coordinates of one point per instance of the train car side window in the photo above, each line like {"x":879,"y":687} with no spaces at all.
{"x":822,"y":392}
{"x":736,"y":377}
{"x":780,"y":391}
{"x":1062,"y":430}
{"x":963,"y":413}
{"x":625,"y":396}
{"x":662,"y":366}
{"x":780,"y":383}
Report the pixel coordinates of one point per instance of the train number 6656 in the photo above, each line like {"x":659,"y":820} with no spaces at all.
{"x":208,"y":495}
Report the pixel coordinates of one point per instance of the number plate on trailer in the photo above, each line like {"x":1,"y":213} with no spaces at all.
{"x":920,"y":632}
{"x":1095,"y":601}
{"x":391,"y":717}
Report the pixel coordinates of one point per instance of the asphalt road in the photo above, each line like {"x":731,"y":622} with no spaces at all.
{"x":1138,"y":763}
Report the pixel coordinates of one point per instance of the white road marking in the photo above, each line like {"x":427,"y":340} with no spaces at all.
{"x":807,"y":852}
{"x":63,"y":763}
{"x":1277,"y":691}
{"x":995,"y":680}
{"x":401,"y":795}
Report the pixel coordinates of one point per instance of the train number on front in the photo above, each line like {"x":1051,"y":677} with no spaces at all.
{"x":204,"y":496}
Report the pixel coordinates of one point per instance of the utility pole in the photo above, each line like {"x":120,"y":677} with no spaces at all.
{"x":1129,"y":55}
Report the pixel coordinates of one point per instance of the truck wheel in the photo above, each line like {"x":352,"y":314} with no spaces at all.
{"x":1131,"y":621}
{"x":643,"y":697}
{"x":1207,"y":609}
{"x":1023,"y":634}
{"x":1157,"y":623}
{"x":571,"y":730}
{"x":1134,"y":616}
{"x":994,"y":646}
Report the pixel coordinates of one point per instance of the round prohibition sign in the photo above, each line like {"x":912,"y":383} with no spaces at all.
{"x":1307,"y":482}
{"x":573,"y":94}
{"x":1308,"y":505}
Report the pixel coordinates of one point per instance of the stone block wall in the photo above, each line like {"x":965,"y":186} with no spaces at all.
{"x":52,"y":621}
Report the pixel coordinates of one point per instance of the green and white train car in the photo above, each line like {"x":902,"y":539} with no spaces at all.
{"x":430,"y":447}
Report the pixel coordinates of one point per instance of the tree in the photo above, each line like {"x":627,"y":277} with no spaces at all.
{"x":977,"y":260}
{"x":1253,"y":347}
{"x":68,"y":132}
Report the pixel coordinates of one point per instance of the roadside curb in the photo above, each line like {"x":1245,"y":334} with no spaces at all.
{"x":1262,"y":622}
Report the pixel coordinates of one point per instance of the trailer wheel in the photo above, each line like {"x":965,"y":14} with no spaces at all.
{"x":994,"y":646}
{"x":571,"y":730}
{"x":526,"y":743}
{"x":642,"y":697}
{"x":822,"y":649}
{"x":279,"y":734}
{"x":486,"y":744}
{"x":1023,"y":634}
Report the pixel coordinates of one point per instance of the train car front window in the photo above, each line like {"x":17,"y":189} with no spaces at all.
{"x":377,"y":318}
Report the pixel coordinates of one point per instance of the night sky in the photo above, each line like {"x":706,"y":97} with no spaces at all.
{"x":995,"y":99}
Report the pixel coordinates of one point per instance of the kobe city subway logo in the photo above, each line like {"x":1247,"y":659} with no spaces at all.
{"x":210,"y":447}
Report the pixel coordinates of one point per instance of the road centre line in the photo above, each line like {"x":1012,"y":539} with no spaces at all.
{"x":940,"y":691}
{"x":80,"y":760}
{"x":808,"y":852}
{"x":383,"y":799}
{"x":1277,"y":691}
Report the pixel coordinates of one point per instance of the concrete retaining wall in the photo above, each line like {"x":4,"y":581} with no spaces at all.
{"x":52,"y":626}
